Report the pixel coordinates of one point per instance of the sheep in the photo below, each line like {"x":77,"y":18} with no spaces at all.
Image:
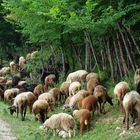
{"x":38,"y":90}
{"x":60,"y":121}
{"x":79,"y":95}
{"x":66,"y":105}
{"x":137,"y":76}
{"x":49,"y":98}
{"x":131,"y":104}
{"x":40,"y":107}
{"x":4,"y":71}
{"x":92,"y":76}
{"x":56,"y":93}
{"x":84,"y":118}
{"x":15,"y":80}
{"x":9,"y":94}
{"x":13,"y":66}
{"x":91,"y":84}
{"x":49,"y":81}
{"x":30,"y":99}
{"x":21,"y":83}
{"x":79,"y":75}
{"x":90,"y":103}
{"x":21,"y":63}
{"x":119,"y":91}
{"x":74,"y":88}
{"x":64,"y":89}
{"x":137,"y":80}
{"x":101,"y":94}
{"x":19,"y":105}
{"x":9,"y":84}
{"x":1,"y":94}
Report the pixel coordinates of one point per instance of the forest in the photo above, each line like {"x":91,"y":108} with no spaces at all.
{"x":100,"y":36}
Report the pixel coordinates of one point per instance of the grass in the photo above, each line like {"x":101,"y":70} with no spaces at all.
{"x":102,"y":126}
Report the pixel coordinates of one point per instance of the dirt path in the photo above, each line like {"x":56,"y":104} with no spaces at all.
{"x":5,"y":131}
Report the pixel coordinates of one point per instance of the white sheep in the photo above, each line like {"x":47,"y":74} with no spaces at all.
{"x":79,"y":95}
{"x":74,"y":88}
{"x":137,"y":76}
{"x":119,"y":91}
{"x":19,"y":105}
{"x":131,"y":105}
{"x":61,"y":121}
{"x":22,"y":62}
{"x":4,"y":71}
{"x":79,"y":75}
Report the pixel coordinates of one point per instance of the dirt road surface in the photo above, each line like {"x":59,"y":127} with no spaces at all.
{"x":5,"y":131}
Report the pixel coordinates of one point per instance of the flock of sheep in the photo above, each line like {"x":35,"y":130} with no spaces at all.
{"x":82,"y":93}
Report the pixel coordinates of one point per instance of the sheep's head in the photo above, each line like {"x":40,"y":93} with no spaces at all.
{"x":12,"y":109}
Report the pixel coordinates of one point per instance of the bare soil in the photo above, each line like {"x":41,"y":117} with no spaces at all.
{"x":5,"y":131}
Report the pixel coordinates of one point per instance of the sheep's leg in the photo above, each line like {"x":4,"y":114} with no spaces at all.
{"x":124,"y":118}
{"x":127,"y":120}
{"x":25,"y":108}
{"x":103,"y":107}
{"x":21,"y":112}
{"x":54,"y":132}
{"x":17,"y":111}
{"x":69,"y":133}
{"x":100,"y":107}
{"x":30,"y":108}
{"x":82,"y":126}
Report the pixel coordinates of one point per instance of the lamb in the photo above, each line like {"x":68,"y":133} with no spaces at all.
{"x":4,"y":71}
{"x":91,"y":84}
{"x":19,"y":105}
{"x":92,"y":76}
{"x":38,"y":90}
{"x":49,"y":81}
{"x":9,"y":94}
{"x":119,"y":91}
{"x":64,"y":90}
{"x":80,"y":95}
{"x":101,"y":94}
{"x":131,"y":105}
{"x":49,"y":98}
{"x":40,"y":107}
{"x":61,"y":121}
{"x":79,"y":75}
{"x":84,"y":118}
{"x":22,"y":62}
{"x":74,"y":88}
{"x":90,"y":103}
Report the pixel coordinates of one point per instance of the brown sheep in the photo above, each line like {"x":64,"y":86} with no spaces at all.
{"x":91,"y":84}
{"x":90,"y":103}
{"x":38,"y":90}
{"x":56,"y":93}
{"x":30,"y":99}
{"x":131,"y":105}
{"x":119,"y":91}
{"x":49,"y":81}
{"x":9,"y":94}
{"x":100,"y":93}
{"x":92,"y":76}
{"x":84,"y":118}
{"x":64,"y":89}
{"x":49,"y":98}
{"x":40,"y":107}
